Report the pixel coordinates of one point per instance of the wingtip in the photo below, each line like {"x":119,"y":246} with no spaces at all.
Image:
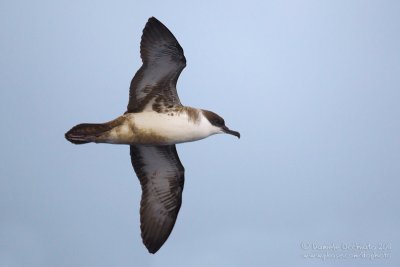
{"x":151,"y":247}
{"x":152,"y":251}
{"x":153,"y":20}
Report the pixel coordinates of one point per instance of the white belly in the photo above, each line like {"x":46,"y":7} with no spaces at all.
{"x":154,"y":128}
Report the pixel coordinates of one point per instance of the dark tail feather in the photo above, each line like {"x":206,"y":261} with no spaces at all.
{"x":86,"y":132}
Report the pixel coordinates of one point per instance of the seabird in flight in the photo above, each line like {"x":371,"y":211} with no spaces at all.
{"x":154,"y":122}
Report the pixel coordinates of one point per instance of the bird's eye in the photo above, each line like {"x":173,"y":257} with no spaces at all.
{"x":218,"y":122}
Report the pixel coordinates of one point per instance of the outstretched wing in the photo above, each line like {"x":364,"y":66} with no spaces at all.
{"x":154,"y":84}
{"x":161,"y":176}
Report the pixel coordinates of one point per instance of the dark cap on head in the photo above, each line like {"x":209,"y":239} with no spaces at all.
{"x":219,"y":122}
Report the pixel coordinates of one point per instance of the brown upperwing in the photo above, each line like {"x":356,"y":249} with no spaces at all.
{"x":163,"y":61}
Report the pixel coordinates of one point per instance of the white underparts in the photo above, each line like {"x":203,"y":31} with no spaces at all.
{"x":154,"y":128}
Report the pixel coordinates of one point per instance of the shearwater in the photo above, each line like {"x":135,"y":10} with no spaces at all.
{"x":154,"y":122}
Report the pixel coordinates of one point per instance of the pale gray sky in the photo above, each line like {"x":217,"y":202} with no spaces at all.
{"x":313,"y":87}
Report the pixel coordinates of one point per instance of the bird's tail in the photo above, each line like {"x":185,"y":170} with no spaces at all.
{"x":87,"y":132}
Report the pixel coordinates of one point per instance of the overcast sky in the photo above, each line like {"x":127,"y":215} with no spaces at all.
{"x":312,"y":86}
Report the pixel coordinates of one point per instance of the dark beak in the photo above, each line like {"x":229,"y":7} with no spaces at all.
{"x":228,"y":131}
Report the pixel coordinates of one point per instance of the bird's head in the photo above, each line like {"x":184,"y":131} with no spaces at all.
{"x":218,"y":123}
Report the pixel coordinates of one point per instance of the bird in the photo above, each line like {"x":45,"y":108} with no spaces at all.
{"x":154,"y":122}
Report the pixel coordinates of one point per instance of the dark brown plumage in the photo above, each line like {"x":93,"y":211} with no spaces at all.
{"x":154,"y":87}
{"x":154,"y":122}
{"x":161,"y":176}
{"x":163,"y":61}
{"x":88,"y":132}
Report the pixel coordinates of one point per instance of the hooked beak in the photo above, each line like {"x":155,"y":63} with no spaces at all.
{"x":228,"y":131}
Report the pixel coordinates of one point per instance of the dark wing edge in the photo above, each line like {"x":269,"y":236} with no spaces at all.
{"x":163,"y":61}
{"x":161,"y":175}
{"x":158,"y":42}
